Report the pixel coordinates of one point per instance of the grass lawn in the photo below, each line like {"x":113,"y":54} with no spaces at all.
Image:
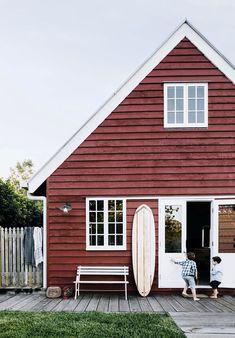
{"x":86,"y":325}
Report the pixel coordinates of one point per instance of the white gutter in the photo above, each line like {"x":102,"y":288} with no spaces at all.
{"x":44,"y":201}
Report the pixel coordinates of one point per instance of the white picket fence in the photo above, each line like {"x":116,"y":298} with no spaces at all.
{"x":14,"y":273}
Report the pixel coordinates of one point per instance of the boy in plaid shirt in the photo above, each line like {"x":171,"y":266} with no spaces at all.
{"x":189,"y":274}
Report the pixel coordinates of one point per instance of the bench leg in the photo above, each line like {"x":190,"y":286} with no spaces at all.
{"x":125,"y":288}
{"x":76,"y":290}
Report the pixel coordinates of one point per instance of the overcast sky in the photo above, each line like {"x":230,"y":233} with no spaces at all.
{"x":61,"y":59}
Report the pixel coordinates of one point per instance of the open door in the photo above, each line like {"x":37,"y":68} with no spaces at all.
{"x":224,"y":239}
{"x":172,"y":241}
{"x":199,"y":237}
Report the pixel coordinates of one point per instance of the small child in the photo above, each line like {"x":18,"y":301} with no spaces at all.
{"x":189,"y":273}
{"x":216,"y":276}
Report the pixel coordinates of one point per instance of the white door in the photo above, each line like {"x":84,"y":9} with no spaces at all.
{"x":224,"y":239}
{"x":172,"y":241}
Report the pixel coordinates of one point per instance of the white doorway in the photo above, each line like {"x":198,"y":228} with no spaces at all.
{"x":184,"y":225}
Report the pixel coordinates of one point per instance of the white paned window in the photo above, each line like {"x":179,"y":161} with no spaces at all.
{"x":185,"y":105}
{"x":105,"y":224}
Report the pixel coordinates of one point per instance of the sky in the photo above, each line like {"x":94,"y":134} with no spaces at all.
{"x":61,"y":59}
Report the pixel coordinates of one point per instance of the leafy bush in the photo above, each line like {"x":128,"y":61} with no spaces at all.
{"x":16,"y":210}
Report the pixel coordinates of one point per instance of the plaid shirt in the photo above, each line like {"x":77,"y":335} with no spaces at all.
{"x":189,"y":267}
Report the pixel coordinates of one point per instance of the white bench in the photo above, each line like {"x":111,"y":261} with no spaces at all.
{"x":101,"y":271}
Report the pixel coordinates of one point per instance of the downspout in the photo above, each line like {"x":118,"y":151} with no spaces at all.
{"x":44,"y":223}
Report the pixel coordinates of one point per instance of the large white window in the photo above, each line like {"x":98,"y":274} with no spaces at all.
{"x":105,"y":224}
{"x":185,"y":105}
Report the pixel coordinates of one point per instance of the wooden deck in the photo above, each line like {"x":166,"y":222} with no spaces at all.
{"x":206,"y":318}
{"x":116,"y":303}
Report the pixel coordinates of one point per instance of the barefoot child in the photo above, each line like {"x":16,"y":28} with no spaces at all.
{"x":189,"y":273}
{"x":216,"y":275}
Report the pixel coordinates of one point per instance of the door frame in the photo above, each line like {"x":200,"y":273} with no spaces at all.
{"x":161,"y":231}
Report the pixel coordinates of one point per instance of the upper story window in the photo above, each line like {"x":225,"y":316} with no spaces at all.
{"x":106,"y":224}
{"x":185,"y":105}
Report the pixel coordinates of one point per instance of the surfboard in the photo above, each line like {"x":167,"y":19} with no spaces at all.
{"x":143,"y":249}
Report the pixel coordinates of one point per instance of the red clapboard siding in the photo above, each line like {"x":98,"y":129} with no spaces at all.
{"x":131,"y":154}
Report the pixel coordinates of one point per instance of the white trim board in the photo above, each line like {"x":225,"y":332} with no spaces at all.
{"x":184,"y":30}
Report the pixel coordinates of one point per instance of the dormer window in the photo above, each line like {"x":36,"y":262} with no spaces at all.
{"x":185,"y":105}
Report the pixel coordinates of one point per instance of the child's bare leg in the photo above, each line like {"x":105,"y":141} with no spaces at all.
{"x":194,"y":294}
{"x":184,"y":292}
{"x":215,"y":293}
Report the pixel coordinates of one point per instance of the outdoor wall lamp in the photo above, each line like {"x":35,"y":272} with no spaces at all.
{"x":66,"y":207}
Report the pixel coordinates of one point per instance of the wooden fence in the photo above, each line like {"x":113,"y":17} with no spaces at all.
{"x":14,"y":273}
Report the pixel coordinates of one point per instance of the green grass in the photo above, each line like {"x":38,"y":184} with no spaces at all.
{"x":15,"y":324}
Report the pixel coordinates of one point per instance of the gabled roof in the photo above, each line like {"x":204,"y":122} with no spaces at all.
{"x":184,"y":30}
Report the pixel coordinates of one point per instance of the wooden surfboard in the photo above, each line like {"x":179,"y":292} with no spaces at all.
{"x":143,"y":249}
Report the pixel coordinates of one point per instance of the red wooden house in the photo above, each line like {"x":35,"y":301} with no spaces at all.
{"x":166,"y":139}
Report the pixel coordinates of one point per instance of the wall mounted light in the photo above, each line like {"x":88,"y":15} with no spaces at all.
{"x":66,"y":207}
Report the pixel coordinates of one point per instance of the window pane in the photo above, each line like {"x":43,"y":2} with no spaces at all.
{"x":119,"y":240}
{"x":173,"y":228}
{"x":179,"y":92}
{"x":119,"y":205}
{"x":171,"y":104}
{"x":100,"y":205}
{"x":192,"y":117}
{"x":119,"y":228}
{"x":179,"y":117}
{"x":191,"y":104}
{"x":111,"y":229}
{"x":200,"y":117}
{"x":111,"y":217}
{"x":92,"y":240}
{"x":226,"y":228}
{"x":119,"y":217}
{"x":111,"y":205}
{"x":100,"y":240}
{"x":179,"y":104}
{"x":100,"y":228}
{"x":100,"y":217}
{"x":200,"y":91}
{"x":191,"y":91}
{"x":93,"y":229}
{"x":111,"y":240}
{"x":92,"y":217}
{"x":92,"y":205}
{"x":170,"y":92}
{"x":170,"y":117}
{"x":200,"y":104}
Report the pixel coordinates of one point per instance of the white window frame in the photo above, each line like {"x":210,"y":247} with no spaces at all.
{"x":105,"y":246}
{"x":186,"y":124}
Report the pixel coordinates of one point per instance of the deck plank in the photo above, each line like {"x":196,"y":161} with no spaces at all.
{"x":226,"y":305}
{"x":124,"y":304}
{"x":113,"y":304}
{"x":5,"y":305}
{"x":51,"y":305}
{"x":41,"y":304}
{"x":84,"y":301}
{"x":186,"y":304}
{"x":145,"y":306}
{"x":103,"y":304}
{"x":215,"y":306}
{"x":27,"y":302}
{"x":164,"y":303}
{"x":155,"y":304}
{"x":92,"y":306}
{"x":134,"y":304}
{"x":5,"y":296}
